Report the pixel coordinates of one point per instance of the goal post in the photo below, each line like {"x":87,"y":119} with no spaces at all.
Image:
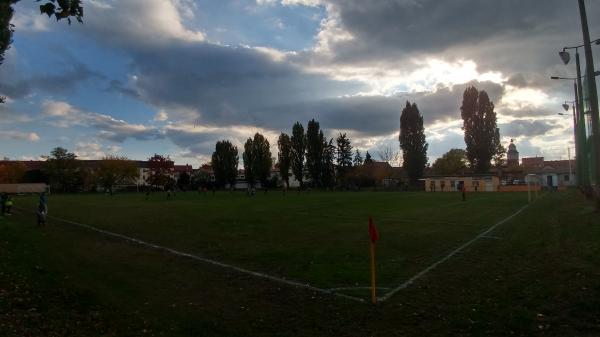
{"x":532,"y":181}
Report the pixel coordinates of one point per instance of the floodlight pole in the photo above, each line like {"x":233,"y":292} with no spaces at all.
{"x":578,"y":129}
{"x":593,"y":96}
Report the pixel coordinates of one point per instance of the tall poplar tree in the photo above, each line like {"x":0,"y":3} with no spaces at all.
{"x":344,"y":152}
{"x":298,"y":151}
{"x":412,"y":141}
{"x":248,"y":158}
{"x":315,"y":141}
{"x":284,"y":156}
{"x":263,"y":162}
{"x":257,"y":160}
{"x":481,"y":132}
{"x":328,"y":165}
{"x":225,"y":161}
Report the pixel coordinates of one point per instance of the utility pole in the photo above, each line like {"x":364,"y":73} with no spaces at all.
{"x":593,"y":97}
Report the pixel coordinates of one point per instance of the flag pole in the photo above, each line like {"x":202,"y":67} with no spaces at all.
{"x":373,"y":287}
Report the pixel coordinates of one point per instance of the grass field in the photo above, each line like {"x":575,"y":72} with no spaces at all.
{"x":537,"y":273}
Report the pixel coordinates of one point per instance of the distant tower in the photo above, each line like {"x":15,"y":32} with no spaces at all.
{"x":512,"y":155}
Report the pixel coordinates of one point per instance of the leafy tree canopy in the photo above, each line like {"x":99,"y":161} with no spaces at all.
{"x":225,"y":162}
{"x":298,"y":151}
{"x":284,"y":156}
{"x":482,"y":136}
{"x":452,"y":162}
{"x":412,"y":141}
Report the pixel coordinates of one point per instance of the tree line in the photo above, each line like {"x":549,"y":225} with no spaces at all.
{"x":314,"y":160}
{"x":65,"y":173}
{"x":307,"y":155}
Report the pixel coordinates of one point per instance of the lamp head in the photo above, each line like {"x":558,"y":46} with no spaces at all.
{"x":564,"y":56}
{"x":566,"y":107}
{"x":554,"y":78}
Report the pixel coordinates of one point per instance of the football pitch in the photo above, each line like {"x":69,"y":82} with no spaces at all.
{"x":318,"y":239}
{"x":263,"y":252}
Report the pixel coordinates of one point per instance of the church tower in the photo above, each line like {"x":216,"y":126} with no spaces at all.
{"x":512,"y":155}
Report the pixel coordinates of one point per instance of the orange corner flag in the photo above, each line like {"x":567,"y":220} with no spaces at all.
{"x":373,"y":231}
{"x":374,"y":237}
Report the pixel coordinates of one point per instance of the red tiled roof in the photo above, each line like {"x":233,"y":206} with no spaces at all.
{"x":532,"y":162}
{"x":30,"y":164}
{"x":559,"y":166}
{"x":183,"y":168}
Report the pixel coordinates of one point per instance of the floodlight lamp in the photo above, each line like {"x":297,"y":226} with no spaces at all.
{"x":554,"y":78}
{"x":565,"y":56}
{"x":566,"y":107}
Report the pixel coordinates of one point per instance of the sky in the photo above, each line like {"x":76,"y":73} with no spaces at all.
{"x":173,"y":77}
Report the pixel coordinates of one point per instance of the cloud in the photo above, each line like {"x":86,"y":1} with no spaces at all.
{"x":15,"y":85}
{"x":198,"y":140}
{"x":161,"y":116}
{"x":150,"y":22}
{"x":18,"y":135}
{"x":413,"y":26}
{"x":226,"y":85}
{"x":8,"y":115}
{"x":63,"y":114}
{"x":527,"y":128}
{"x":309,"y":3}
{"x":94,"y":150}
{"x":30,"y":21}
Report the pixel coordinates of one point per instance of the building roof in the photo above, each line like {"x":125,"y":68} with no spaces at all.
{"x":559,"y":166}
{"x":532,"y":162}
{"x":539,"y":165}
{"x":30,"y":164}
{"x":183,"y":168}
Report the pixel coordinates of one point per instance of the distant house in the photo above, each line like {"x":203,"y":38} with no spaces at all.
{"x":552,"y":173}
{"x":179,"y":169}
{"x":472,"y":183}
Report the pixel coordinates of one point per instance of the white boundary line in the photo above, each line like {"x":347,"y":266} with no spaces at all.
{"x":356,"y":288}
{"x":447,"y":257}
{"x":209,"y":261}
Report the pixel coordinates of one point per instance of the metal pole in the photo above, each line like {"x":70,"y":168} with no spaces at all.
{"x":373,"y":283}
{"x":576,"y":133}
{"x":583,"y":165}
{"x":569,"y":157}
{"x":593,"y":96}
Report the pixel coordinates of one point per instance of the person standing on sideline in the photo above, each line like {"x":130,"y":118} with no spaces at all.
{"x":463,"y":189}
{"x":8,"y":203}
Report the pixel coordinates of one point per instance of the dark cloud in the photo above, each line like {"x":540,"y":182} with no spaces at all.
{"x":529,"y":80}
{"x":390,"y":28}
{"x":15,"y":86}
{"x":526,"y":128}
{"x":196,"y":143}
{"x":227,"y":85}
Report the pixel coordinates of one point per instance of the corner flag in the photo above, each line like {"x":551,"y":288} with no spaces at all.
{"x":374,"y":237}
{"x":373,"y":231}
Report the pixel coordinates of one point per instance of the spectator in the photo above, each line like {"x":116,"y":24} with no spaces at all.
{"x":8,"y":203}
